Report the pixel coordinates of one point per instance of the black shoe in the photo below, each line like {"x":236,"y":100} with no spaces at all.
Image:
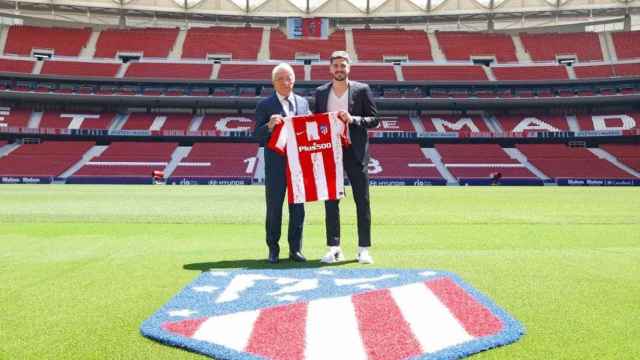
{"x":297,"y":256}
{"x":273,"y":257}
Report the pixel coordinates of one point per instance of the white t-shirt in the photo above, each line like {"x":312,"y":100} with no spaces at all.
{"x":335,"y":104}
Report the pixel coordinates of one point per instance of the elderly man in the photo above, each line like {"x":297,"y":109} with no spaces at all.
{"x":269,"y":113}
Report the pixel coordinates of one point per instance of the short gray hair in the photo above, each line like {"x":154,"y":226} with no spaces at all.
{"x":282,"y":66}
{"x":340,"y":54}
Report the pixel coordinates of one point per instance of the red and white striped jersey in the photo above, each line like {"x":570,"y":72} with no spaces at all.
{"x":313,"y":147}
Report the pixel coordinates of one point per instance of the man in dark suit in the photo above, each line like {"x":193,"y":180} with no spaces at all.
{"x":353,"y":101}
{"x":270,"y":112}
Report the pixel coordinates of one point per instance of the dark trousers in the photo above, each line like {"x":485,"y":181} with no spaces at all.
{"x":275,"y":190}
{"x":359,"y":178}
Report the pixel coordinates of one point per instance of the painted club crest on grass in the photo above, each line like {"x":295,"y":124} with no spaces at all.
{"x":331,"y":314}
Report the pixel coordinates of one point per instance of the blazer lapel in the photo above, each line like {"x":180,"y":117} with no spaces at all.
{"x":350,"y":97}
{"x":278,"y":105}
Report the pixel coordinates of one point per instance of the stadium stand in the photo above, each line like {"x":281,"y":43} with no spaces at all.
{"x":560,"y":161}
{"x":15,"y":117}
{"x":374,"y":44}
{"x":629,"y":154}
{"x":227,"y":122}
{"x":282,"y":48}
{"x":607,"y":71}
{"x":44,"y":159}
{"x":465,"y":45}
{"x":61,"y":120}
{"x":400,"y":161}
{"x":129,"y":159}
{"x":611,"y":121}
{"x":177,"y":122}
{"x":452,"y":123}
{"x":157,"y":121}
{"x":151,"y":42}
{"x":217,"y":160}
{"x":23,"y":39}
{"x":169,"y":71}
{"x":532,"y":122}
{"x":139,"y":121}
{"x":626,"y":44}
{"x":392,"y":124}
{"x":443,"y":72}
{"x":546,"y":72}
{"x":16,"y":66}
{"x":544,"y":47}
{"x":80,"y":68}
{"x":473,"y":161}
{"x":253,"y":72}
{"x":240,"y":43}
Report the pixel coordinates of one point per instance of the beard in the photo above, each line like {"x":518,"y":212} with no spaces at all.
{"x":340,"y":76}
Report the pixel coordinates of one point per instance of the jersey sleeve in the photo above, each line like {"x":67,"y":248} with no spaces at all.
{"x":278,"y":140}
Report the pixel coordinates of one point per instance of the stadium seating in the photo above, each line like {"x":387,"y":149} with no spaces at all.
{"x":139,"y":121}
{"x":607,"y":71}
{"x":21,"y":40}
{"x":560,"y":161}
{"x":443,"y":72}
{"x":253,"y":72}
{"x":177,"y":122}
{"x":218,"y":160}
{"x":169,"y":71}
{"x":63,"y":120}
{"x":16,"y":117}
{"x":151,"y":42}
{"x":124,"y":159}
{"x":374,"y":44}
{"x":392,"y":124}
{"x":610,"y":121}
{"x":626,"y":44}
{"x":547,"y":72}
{"x":227,"y":122}
{"x":465,"y":45}
{"x":44,"y":159}
{"x":400,"y":161}
{"x":78,"y":68}
{"x":282,"y":48}
{"x":532,"y":122}
{"x":144,"y":121}
{"x":473,"y":161}
{"x":452,"y":123}
{"x":240,"y":43}
{"x":546,"y":46}
{"x":16,"y":66}
{"x":629,"y":154}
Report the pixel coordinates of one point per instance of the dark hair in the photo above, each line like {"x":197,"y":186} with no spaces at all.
{"x":340,"y":54}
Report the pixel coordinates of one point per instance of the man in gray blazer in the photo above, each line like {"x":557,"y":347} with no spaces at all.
{"x":270,"y":112}
{"x":354,"y":103}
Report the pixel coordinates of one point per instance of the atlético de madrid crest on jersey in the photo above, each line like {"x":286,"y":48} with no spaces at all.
{"x":331,"y":314}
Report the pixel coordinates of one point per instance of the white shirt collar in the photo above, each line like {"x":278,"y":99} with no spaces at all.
{"x":282,"y":98}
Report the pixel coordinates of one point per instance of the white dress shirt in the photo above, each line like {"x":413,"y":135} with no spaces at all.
{"x":285,"y":101}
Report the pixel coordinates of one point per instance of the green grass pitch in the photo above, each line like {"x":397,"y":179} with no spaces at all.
{"x":82,"y":266}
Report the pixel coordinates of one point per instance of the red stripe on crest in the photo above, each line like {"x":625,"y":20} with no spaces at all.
{"x":279,"y":333}
{"x":474,"y":317}
{"x":385,"y":333}
{"x":185,"y":327}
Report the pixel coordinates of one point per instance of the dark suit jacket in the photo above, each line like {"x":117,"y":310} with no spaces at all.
{"x":274,"y":163}
{"x":361,"y":103}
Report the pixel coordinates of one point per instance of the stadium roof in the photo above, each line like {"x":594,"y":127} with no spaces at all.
{"x":362,"y":11}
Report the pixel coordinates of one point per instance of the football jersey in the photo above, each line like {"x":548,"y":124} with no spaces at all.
{"x":312,"y":145}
